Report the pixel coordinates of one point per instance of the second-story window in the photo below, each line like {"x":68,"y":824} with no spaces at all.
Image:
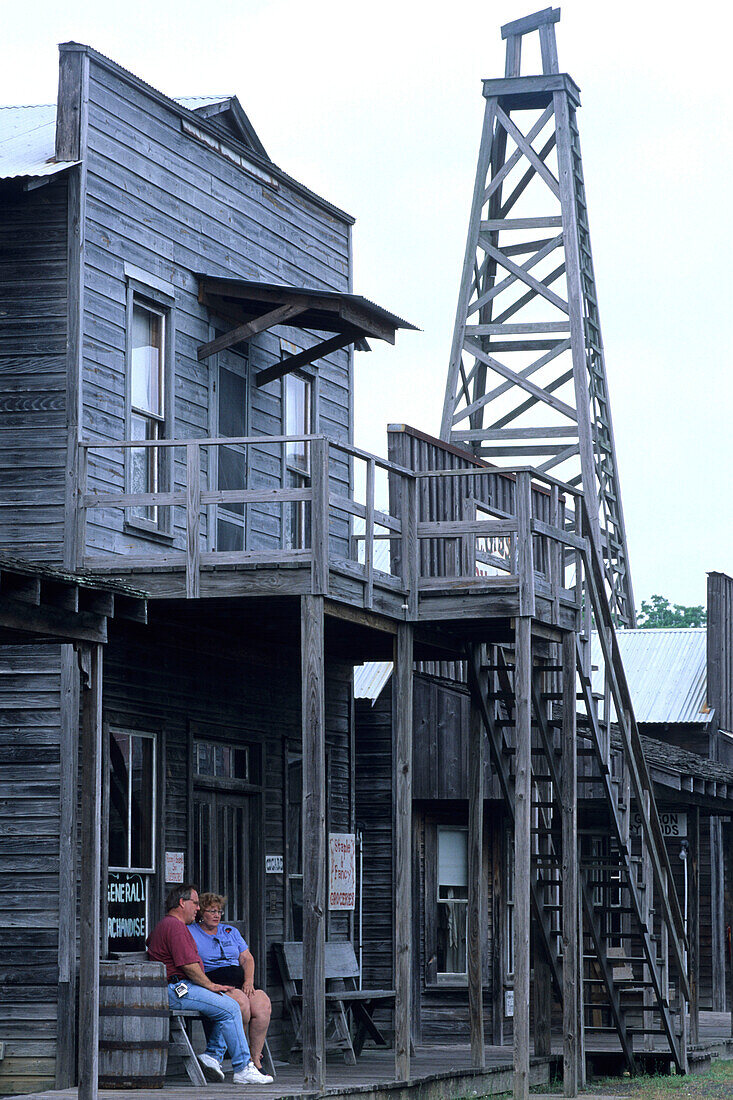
{"x":149,"y":396}
{"x":147,"y":402}
{"x":298,"y":421}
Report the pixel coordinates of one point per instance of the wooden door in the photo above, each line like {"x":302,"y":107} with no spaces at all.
{"x":223,"y":853}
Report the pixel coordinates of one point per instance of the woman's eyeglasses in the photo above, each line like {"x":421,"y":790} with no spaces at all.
{"x":219,"y":911}
{"x":217,"y":941}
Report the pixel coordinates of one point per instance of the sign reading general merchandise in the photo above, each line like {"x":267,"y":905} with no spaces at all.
{"x":127,"y":911}
{"x":341,"y":871}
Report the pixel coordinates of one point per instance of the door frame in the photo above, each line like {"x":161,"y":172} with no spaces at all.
{"x":205,"y":731}
{"x":213,"y":468}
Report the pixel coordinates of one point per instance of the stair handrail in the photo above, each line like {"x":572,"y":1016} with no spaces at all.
{"x":628,"y":727}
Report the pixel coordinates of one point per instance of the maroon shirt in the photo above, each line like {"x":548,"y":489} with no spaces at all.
{"x":171,"y":943}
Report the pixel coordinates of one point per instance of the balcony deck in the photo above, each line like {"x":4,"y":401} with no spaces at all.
{"x":428,"y":546}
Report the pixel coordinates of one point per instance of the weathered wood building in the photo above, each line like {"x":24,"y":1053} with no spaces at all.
{"x":176,"y":392}
{"x":694,"y":795}
{"x":137,"y":232}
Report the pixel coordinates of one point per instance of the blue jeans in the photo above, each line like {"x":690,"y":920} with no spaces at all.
{"x":227,"y":1030}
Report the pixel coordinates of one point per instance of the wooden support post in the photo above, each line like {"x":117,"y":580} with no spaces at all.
{"x":314,"y":842}
{"x":369,"y":536}
{"x":319,"y":517}
{"x":717,"y":895}
{"x":68,"y":781}
{"x":522,"y":850}
{"x":476,"y":891}
{"x":542,"y":999}
{"x":693,"y":918}
{"x":402,"y":709}
{"x":525,"y":556}
{"x":91,"y":864}
{"x":571,"y":979}
{"x":193,"y":520}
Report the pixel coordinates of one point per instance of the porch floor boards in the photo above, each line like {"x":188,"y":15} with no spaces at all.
{"x":374,"y":1070}
{"x":372,"y":1076}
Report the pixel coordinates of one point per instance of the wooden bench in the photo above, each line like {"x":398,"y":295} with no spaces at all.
{"x":342,"y":997}
{"x":181,"y":1044}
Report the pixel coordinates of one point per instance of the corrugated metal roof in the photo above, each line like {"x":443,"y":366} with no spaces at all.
{"x":27,"y":142}
{"x":192,"y":102}
{"x":370,"y":679}
{"x":28,"y":138}
{"x":666,"y":671}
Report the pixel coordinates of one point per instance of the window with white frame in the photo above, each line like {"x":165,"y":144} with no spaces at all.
{"x":149,"y":398}
{"x":298,"y":420}
{"x":131,"y":838}
{"x":452,"y":901}
{"x":132,"y":767}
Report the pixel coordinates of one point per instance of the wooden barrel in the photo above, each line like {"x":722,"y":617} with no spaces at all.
{"x":134,"y":1025}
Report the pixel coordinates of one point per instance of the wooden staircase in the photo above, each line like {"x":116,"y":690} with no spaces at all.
{"x":633,"y":938}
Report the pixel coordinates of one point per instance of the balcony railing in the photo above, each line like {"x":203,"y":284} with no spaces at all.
{"x":346,"y":512}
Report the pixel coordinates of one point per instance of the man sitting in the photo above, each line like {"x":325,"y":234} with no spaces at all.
{"x":188,"y":987}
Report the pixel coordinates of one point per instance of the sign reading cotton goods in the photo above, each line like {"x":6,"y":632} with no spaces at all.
{"x":341,"y":871}
{"x":673,"y":822}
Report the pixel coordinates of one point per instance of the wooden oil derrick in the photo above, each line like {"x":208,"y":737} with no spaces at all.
{"x":527,"y":377}
{"x":527,"y":388}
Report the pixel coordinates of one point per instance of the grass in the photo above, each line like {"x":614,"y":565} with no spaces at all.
{"x":717,"y":1084}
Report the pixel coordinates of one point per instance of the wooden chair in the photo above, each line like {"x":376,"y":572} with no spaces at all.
{"x":342,"y":997}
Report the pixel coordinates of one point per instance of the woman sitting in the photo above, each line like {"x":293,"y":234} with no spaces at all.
{"x":228,"y":961}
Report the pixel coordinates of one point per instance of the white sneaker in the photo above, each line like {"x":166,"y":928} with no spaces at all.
{"x":212,"y":1069}
{"x":250,"y":1075}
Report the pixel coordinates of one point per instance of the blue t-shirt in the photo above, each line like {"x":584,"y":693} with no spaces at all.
{"x":222,"y":949}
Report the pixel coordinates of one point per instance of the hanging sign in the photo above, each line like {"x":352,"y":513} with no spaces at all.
{"x":274,"y":865}
{"x":673,"y":823}
{"x":508,"y":1002}
{"x":174,"y":864}
{"x":341,"y":871}
{"x":127,"y":923}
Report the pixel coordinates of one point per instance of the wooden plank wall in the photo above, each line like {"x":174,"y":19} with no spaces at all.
{"x":445,"y":499}
{"x":169,"y":678}
{"x":440,"y":794}
{"x":33,"y":272}
{"x":166,"y":203}
{"x":30,"y":775}
{"x":373,"y":788}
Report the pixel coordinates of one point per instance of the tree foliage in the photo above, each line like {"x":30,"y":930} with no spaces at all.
{"x":659,"y":612}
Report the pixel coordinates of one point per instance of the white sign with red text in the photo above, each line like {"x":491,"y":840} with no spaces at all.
{"x":341,"y":871}
{"x":174,"y":862}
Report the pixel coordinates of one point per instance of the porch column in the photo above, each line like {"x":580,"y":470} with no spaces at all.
{"x":314,"y":842}
{"x":693,"y":918}
{"x":402,"y":710}
{"x":717,"y":895}
{"x":476,"y":892}
{"x":90,"y":659}
{"x":522,"y":850}
{"x":569,"y":797}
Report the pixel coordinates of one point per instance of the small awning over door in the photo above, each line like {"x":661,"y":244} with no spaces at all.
{"x":252,"y":307}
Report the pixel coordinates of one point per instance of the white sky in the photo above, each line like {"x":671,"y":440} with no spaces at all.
{"x":378,"y":107}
